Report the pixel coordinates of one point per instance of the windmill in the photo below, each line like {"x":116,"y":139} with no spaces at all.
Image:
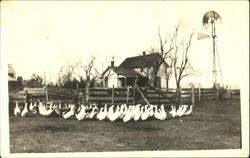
{"x":210,"y":19}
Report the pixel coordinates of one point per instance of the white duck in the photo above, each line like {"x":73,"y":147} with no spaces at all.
{"x":189,"y":111}
{"x":145,"y":113}
{"x":104,"y":114}
{"x":60,"y":106}
{"x":115,"y":115}
{"x":82,"y":114}
{"x":133,"y":111}
{"x":182,"y":110}
{"x":137,"y":114}
{"x":127,"y":116}
{"x":50,"y":110}
{"x":173,"y":111}
{"x":157,"y":113}
{"x":151,"y":111}
{"x":57,"y":109}
{"x":31,"y":107}
{"x":98,"y":116}
{"x":123,"y":111}
{"x":17,"y":110}
{"x":91,"y":114}
{"x":25,"y":110}
{"x":111,"y":113}
{"x":79,"y":109}
{"x":163,"y":114}
{"x":67,"y":115}
{"x":42,"y":108}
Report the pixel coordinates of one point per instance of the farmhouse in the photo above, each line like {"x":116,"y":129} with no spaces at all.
{"x":138,"y":68}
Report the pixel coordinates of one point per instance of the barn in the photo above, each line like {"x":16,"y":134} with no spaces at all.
{"x":135,"y":68}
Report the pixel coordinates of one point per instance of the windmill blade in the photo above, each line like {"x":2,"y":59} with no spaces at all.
{"x":201,"y":35}
{"x":208,"y":17}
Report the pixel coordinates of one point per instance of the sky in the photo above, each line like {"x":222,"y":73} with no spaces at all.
{"x":43,"y":36}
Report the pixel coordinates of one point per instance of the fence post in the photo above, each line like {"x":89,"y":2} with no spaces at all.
{"x":218,"y":93}
{"x":113,"y":94}
{"x":179,"y":95}
{"x":77,"y":93}
{"x":159,"y":100}
{"x":134,"y":91}
{"x":87,"y":93}
{"x":193,"y":95}
{"x":26,"y":96}
{"x":46,"y":95}
{"x":127,"y":94}
{"x":199,"y":93}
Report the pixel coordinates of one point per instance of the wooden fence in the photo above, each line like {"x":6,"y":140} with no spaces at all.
{"x":129,"y":95}
{"x":47,"y":93}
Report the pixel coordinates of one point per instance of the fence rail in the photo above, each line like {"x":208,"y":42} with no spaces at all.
{"x":125,"y":95}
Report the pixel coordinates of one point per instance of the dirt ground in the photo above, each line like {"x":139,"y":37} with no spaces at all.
{"x":214,"y":125}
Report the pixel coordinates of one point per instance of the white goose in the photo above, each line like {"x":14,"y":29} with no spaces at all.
{"x":17,"y":110}
{"x":25,"y":110}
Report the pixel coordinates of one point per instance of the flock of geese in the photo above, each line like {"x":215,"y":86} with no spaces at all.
{"x":112,"y":113}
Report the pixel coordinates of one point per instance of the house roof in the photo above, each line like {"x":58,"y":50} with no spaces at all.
{"x":142,"y":61}
{"x":11,"y":79}
{"x":126,"y":71}
{"x":123,"y":71}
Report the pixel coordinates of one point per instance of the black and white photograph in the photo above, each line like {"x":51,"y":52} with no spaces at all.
{"x":124,"y":78}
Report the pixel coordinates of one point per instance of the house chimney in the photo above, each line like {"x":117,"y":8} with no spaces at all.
{"x":112,"y":62}
{"x":143,"y":53}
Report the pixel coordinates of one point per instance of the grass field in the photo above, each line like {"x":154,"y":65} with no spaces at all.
{"x":214,"y":125}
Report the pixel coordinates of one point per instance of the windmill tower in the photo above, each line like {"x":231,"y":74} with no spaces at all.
{"x":210,"y":19}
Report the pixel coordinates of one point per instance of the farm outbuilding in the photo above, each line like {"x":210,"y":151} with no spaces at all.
{"x":132,"y":68}
{"x":13,"y":83}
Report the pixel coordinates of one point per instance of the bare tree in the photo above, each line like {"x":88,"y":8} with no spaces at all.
{"x":180,"y":58}
{"x":88,"y":69}
{"x":164,"y":49}
{"x":65,"y":75}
